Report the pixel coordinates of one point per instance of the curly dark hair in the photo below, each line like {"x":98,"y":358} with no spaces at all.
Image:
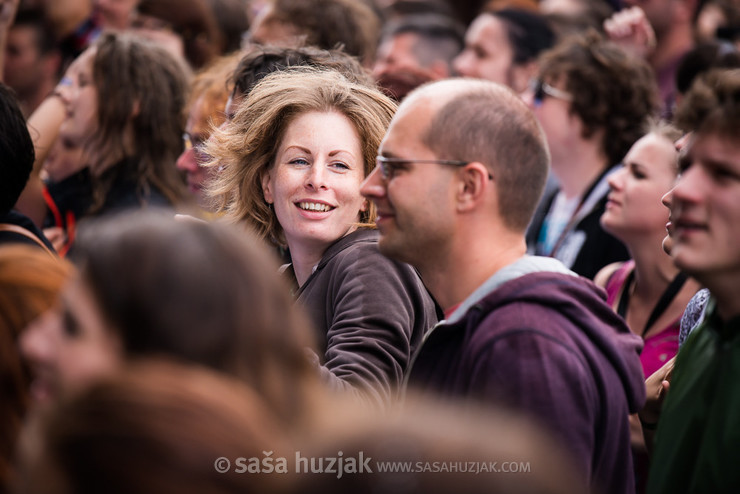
{"x":611,"y":89}
{"x":712,"y":105}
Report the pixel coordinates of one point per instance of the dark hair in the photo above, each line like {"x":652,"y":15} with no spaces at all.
{"x":712,"y":105}
{"x":265,"y":60}
{"x":194,"y":21}
{"x":157,"y":426}
{"x":529,"y":33}
{"x":232,"y":20}
{"x":612,"y":90}
{"x":703,"y":57}
{"x":200,"y":292}
{"x":351,"y":25}
{"x":444,"y":37}
{"x":16,"y":149}
{"x":493,"y":126}
{"x":34,"y":17}
{"x":139,"y":78}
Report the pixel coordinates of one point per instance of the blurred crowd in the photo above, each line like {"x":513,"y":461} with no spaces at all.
{"x":252,"y":245}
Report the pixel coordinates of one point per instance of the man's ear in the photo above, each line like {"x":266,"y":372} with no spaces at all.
{"x":475,"y":179}
{"x":267,"y":187}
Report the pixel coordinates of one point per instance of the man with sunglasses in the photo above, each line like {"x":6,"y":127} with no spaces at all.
{"x":459,"y":174}
{"x":593,"y":101}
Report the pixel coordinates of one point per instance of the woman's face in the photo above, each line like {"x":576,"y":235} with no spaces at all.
{"x":634,"y":204}
{"x":71,"y":345}
{"x":81,"y":100}
{"x":315,"y":181}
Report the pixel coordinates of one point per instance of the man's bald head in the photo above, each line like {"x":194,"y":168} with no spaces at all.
{"x":476,"y":120}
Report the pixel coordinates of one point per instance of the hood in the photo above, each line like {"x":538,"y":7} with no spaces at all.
{"x":584,"y":305}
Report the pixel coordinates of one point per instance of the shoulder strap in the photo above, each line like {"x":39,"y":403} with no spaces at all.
{"x":9,"y":227}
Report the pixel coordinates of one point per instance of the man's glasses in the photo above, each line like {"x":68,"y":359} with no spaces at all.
{"x":389,"y":166}
{"x":196,"y":143}
{"x":541,"y":89}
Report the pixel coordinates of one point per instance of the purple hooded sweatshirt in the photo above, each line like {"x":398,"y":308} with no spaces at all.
{"x":539,"y":339}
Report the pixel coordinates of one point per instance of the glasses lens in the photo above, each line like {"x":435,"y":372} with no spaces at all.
{"x":383,"y":167}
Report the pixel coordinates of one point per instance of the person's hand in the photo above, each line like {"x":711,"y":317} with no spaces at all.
{"x":630,"y":29}
{"x":57,"y":236}
{"x":656,"y":387}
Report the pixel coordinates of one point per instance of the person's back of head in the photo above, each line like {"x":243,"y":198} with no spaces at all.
{"x":611,"y":91}
{"x":156,"y":426}
{"x":351,"y":25}
{"x":433,"y":447}
{"x":16,"y":148}
{"x":233,"y":21}
{"x":704,"y":57}
{"x":712,"y":105}
{"x":199,"y":292}
{"x":488,"y":123}
{"x":30,"y":281}
{"x":261,"y":61}
{"x":194,"y":21}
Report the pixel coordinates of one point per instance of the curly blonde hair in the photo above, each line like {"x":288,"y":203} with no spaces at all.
{"x":245,"y":149}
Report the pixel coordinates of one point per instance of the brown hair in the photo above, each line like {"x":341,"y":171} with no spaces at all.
{"x":351,"y":25}
{"x":493,"y":126}
{"x":204,"y":293}
{"x":194,"y":21}
{"x":139,"y":78}
{"x":214,"y":85}
{"x":246,"y":148}
{"x":264,"y":60}
{"x":612,"y":90}
{"x":30,"y":281}
{"x":155,"y":427}
{"x":440,"y":444}
{"x":712,"y":105}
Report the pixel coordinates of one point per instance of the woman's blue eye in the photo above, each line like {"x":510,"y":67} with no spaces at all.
{"x":298,"y":161}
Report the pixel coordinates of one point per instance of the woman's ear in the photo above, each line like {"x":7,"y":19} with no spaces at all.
{"x":267,"y":187}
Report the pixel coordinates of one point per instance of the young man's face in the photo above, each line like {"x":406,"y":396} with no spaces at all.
{"x":705,"y":209}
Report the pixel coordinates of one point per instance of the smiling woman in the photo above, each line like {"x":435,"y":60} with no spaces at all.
{"x":293,"y":159}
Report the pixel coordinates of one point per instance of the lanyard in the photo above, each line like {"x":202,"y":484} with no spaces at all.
{"x":575,"y":217}
{"x":663,"y":302}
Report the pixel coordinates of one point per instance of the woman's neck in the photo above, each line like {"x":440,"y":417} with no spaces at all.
{"x":304,"y":260}
{"x":654,"y":269}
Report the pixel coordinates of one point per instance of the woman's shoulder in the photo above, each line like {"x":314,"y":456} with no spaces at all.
{"x":607,"y":276}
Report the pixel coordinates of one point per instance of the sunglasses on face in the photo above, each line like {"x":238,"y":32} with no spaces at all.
{"x":540,"y":90}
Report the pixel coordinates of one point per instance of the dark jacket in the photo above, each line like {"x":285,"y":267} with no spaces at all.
{"x":586,"y":247}
{"x":370,"y":313}
{"x":15,"y":218}
{"x":69,"y":200}
{"x":545,"y":343}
